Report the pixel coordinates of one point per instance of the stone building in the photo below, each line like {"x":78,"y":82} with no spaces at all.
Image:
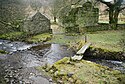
{"x":36,"y":23}
{"x":79,"y":17}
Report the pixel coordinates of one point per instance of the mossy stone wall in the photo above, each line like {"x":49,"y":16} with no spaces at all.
{"x":80,"y":17}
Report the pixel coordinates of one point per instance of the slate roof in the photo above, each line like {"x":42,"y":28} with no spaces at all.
{"x":36,"y":14}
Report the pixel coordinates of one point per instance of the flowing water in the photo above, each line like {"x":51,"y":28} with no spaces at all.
{"x":116,"y":65}
{"x":19,"y":66}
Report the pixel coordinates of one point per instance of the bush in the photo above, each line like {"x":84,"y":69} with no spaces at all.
{"x":13,"y":36}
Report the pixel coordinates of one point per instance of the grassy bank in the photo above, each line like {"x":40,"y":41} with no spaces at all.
{"x":109,"y":40}
{"x":21,"y":36}
{"x":3,"y":52}
{"x":13,"y":36}
{"x":39,"y":38}
{"x":66,"y":71}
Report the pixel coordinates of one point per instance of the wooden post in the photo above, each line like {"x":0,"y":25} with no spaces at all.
{"x":85,"y":38}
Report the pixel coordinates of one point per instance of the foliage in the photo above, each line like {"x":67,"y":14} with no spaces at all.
{"x":3,"y":52}
{"x":35,"y":4}
{"x":11,"y":10}
{"x":13,"y":36}
{"x":12,"y":14}
{"x":114,"y":8}
{"x":58,"y":5}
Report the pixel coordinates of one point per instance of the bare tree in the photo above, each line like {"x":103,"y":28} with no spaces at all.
{"x":114,"y":8}
{"x":57,"y":5}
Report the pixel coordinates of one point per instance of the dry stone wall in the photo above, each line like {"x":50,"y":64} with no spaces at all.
{"x":80,"y":17}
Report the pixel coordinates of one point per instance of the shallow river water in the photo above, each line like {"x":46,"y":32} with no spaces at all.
{"x":19,"y":65}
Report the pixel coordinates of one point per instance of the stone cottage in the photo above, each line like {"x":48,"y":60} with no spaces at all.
{"x":36,"y":23}
{"x":79,"y":17}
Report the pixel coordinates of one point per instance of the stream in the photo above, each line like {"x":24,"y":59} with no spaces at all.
{"x":19,"y":65}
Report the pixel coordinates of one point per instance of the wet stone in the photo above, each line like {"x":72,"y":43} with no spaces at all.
{"x":50,"y":80}
{"x":60,"y":81}
{"x":70,"y":74}
{"x":71,"y":80}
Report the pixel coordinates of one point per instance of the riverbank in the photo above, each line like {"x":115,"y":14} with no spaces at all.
{"x":100,"y":53}
{"x":105,"y":44}
{"x":107,"y":40}
{"x":66,"y":70}
{"x":80,"y":72}
{"x":21,"y":36}
{"x":19,"y":65}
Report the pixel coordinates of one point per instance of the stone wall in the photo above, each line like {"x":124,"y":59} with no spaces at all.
{"x":37,"y":23}
{"x":80,"y":17}
{"x":87,"y":18}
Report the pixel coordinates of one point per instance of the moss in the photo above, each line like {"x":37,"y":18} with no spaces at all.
{"x":65,"y":60}
{"x":40,"y":38}
{"x":12,"y":36}
{"x":21,"y":36}
{"x":100,"y":53}
{"x":3,"y":52}
{"x":83,"y":71}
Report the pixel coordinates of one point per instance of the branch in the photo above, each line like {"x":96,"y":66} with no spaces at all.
{"x":107,"y":3}
{"x":76,"y":2}
{"x":121,"y":8}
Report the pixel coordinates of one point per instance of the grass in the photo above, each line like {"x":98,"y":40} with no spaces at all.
{"x":109,"y":40}
{"x":21,"y":36}
{"x":63,"y":39}
{"x":3,"y":52}
{"x":84,"y":72}
{"x":12,"y":36}
{"x":40,"y":38}
{"x":119,"y":22}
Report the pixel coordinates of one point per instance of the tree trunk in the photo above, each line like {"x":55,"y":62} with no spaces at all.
{"x":54,"y":19}
{"x":113,"y":18}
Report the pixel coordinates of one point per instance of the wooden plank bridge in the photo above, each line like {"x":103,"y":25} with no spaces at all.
{"x":79,"y":54}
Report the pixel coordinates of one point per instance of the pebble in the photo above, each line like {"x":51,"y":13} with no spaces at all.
{"x":50,"y":80}
{"x":70,"y":74}
{"x":59,"y":81}
{"x":11,"y":76}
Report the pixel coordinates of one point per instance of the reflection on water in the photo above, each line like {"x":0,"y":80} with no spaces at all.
{"x":57,"y":52}
{"x":19,"y":66}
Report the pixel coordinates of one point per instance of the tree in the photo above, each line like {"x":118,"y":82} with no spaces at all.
{"x":11,"y":14}
{"x":114,"y":8}
{"x":57,"y":5}
{"x":36,"y":4}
